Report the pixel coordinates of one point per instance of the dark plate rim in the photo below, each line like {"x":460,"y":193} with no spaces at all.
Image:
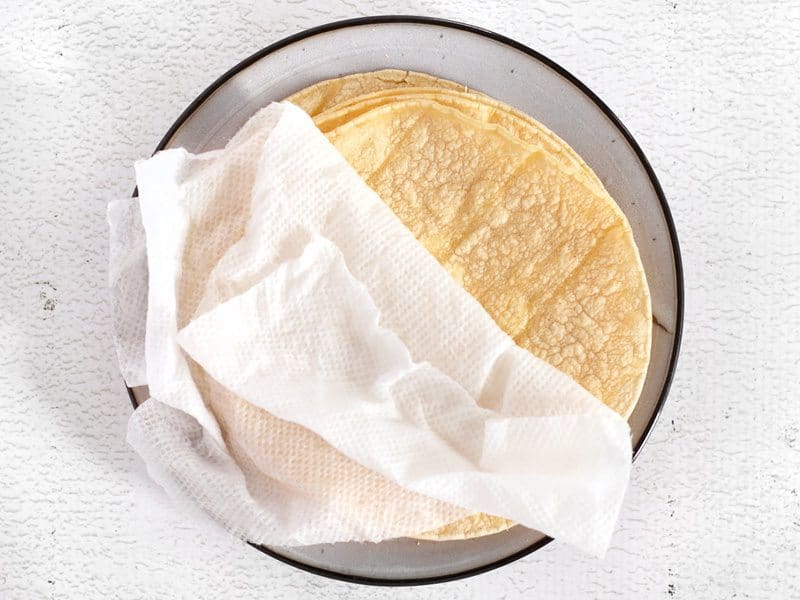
{"x":377,"y":20}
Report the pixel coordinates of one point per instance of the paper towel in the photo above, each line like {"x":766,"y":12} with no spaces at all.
{"x":316,"y":376}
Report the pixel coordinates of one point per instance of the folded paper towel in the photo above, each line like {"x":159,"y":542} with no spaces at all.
{"x":315,"y":374}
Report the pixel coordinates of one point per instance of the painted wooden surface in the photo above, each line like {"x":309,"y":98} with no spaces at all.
{"x":709,"y":89}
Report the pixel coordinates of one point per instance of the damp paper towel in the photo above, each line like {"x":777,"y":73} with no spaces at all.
{"x":316,"y":376}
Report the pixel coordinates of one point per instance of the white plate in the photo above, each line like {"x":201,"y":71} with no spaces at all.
{"x":517,"y":75}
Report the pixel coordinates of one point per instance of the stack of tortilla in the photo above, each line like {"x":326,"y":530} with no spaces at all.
{"x":513,"y":213}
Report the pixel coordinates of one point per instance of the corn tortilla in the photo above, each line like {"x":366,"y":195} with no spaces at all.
{"x":516,"y":217}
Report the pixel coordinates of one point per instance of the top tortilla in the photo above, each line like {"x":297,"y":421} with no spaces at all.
{"x":513,"y":213}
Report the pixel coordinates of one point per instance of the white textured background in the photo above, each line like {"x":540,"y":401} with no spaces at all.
{"x":710,"y":89}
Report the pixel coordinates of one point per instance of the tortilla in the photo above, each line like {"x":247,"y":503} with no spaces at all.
{"x":515,"y":216}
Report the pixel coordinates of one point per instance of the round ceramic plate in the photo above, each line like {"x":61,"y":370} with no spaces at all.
{"x":519,"y":76}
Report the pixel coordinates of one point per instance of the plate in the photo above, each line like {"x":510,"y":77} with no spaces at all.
{"x":521,"y":77}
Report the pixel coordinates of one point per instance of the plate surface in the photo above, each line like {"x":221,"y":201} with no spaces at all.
{"x":517,"y":75}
